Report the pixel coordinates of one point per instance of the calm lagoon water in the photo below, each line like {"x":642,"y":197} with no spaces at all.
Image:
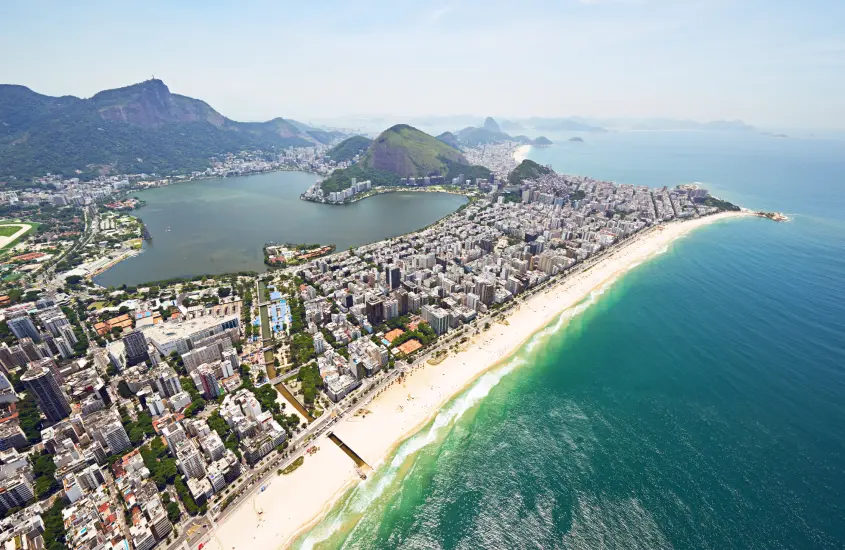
{"x":220,"y":225}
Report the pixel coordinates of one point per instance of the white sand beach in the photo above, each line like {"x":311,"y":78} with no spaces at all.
{"x":521,"y":153}
{"x":292,"y":503}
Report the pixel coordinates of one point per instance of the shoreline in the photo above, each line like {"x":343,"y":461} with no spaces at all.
{"x":521,"y":153}
{"x":395,"y":189}
{"x":397,"y":414}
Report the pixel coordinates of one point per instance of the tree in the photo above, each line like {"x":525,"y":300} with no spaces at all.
{"x":54,"y":526}
{"x":29,"y":417}
{"x":310,"y":378}
{"x":173,"y":512}
{"x":185,"y":496}
{"x":44,"y":470}
{"x":177,"y":363}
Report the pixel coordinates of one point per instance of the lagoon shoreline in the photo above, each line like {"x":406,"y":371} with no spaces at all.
{"x":294,"y":504}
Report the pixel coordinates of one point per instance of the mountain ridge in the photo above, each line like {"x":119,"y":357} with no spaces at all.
{"x":143,"y":127}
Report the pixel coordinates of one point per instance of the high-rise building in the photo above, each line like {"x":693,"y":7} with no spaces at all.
{"x":391,"y":308}
{"x":213,"y":446}
{"x":64,"y":347}
{"x":166,"y":381}
{"x":231,"y":356}
{"x":155,"y":404}
{"x":174,"y":434}
{"x":7,"y":362}
{"x":484,"y":290}
{"x":319,"y":344}
{"x":49,"y":363}
{"x":105,"y":427}
{"x":15,"y":491}
{"x":402,"y":297}
{"x":53,"y":321}
{"x":437,"y":317}
{"x":41,"y":381}
{"x":22,"y":326}
{"x":44,"y":303}
{"x":414,"y":301}
{"x":136,"y":348}
{"x":190,"y":459}
{"x":393,"y":275}
{"x":18,"y":355}
{"x":210,"y":387}
{"x":66,"y":332}
{"x":375,"y":311}
{"x":32,"y":351}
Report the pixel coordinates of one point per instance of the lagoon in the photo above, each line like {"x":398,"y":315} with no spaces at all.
{"x":220,"y":225}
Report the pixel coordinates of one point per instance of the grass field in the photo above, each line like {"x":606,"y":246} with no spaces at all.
{"x":8,"y":230}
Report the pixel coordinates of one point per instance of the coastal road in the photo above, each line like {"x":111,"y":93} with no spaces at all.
{"x":257,"y":478}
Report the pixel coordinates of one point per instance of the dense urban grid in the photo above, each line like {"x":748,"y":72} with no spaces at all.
{"x":136,"y":417}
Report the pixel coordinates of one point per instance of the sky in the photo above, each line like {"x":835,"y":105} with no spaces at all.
{"x":772,"y":63}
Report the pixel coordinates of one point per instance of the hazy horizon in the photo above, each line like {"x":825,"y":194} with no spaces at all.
{"x":770,"y":64}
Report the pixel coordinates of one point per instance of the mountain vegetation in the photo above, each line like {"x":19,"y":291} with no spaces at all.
{"x":449,"y":139}
{"x":527,"y":169}
{"x":408,"y":152}
{"x":349,"y":148}
{"x":142,"y":128}
{"x":402,"y":152}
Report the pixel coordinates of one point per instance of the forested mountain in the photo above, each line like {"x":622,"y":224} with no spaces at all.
{"x":403,"y":151}
{"x":140,"y":128}
{"x":349,"y":148}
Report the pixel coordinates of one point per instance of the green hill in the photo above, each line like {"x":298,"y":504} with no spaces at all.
{"x":402,"y":152}
{"x":527,"y":169}
{"x":449,"y":139}
{"x":139,"y":128}
{"x":407,"y":152}
{"x":347,"y":149}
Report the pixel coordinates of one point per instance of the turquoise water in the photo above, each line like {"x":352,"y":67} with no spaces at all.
{"x":697,"y":402}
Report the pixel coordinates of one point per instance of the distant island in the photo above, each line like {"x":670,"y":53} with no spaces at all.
{"x":576,"y":139}
{"x":489,"y":133}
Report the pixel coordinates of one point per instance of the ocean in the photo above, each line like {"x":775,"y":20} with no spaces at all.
{"x":696,"y":402}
